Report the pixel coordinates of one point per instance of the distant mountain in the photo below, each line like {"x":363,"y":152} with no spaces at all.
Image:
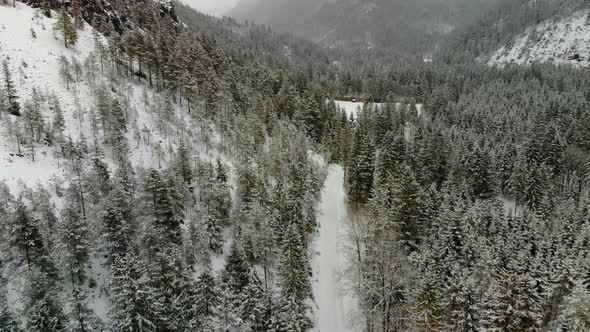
{"x":282,"y":15}
{"x":413,"y":26}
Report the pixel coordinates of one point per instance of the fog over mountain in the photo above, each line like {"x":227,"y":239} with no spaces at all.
{"x":212,"y":7}
{"x":413,"y":25}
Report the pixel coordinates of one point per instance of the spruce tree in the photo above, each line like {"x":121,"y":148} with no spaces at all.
{"x":75,"y":241}
{"x":77,"y":14}
{"x":13,"y":105}
{"x":165,"y":213}
{"x":294,"y":269}
{"x":26,"y":238}
{"x":44,"y":312}
{"x":183,"y":163}
{"x":132,"y":309}
{"x":116,"y":220}
{"x":65,"y":25}
{"x":8,"y":322}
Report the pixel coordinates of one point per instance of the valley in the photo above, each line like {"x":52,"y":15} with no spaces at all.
{"x":163,"y":170}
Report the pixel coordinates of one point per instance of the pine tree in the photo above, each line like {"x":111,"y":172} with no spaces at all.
{"x":59,"y":122}
{"x":46,"y":8}
{"x":117,"y":129}
{"x":294,"y":268}
{"x":208,"y":299}
{"x":172,"y":292}
{"x":130,"y":293}
{"x":8,"y":322}
{"x":183,"y":162}
{"x":390,"y":157}
{"x":221,"y":173}
{"x":26,"y":238}
{"x":164,"y":212}
{"x":408,"y":208}
{"x":575,"y":315}
{"x":360,"y":169}
{"x":237,"y":270}
{"x":65,"y":25}
{"x":75,"y":241}
{"x":44,"y":312}
{"x":13,"y":105}
{"x":479,"y":173}
{"x":117,"y":223}
{"x":77,"y":14}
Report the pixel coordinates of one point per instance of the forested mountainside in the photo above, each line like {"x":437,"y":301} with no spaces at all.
{"x":409,"y":26}
{"x":523,"y":26}
{"x":163,"y":171}
{"x":147,"y":178}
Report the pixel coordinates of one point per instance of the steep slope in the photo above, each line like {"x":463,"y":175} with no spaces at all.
{"x":37,"y":59}
{"x":36,"y":62}
{"x":559,"y":40}
{"x":149,"y":167}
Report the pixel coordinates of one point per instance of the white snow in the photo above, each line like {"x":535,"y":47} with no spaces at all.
{"x":355,"y":107}
{"x":334,"y":304}
{"x":556,"y":41}
{"x":351,"y":107}
{"x":34,"y":63}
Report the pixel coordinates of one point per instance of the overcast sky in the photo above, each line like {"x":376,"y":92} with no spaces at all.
{"x":213,"y":7}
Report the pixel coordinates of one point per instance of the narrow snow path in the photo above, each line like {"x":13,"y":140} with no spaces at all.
{"x":334,"y":307}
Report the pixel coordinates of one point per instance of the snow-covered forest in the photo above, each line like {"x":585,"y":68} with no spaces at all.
{"x":164,"y":170}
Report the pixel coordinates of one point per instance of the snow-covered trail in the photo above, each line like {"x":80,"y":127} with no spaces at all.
{"x":334,"y":306}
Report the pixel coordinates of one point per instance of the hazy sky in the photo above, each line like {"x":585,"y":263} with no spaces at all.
{"x":213,"y":7}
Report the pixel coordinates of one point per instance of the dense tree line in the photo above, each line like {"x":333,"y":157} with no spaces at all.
{"x":474,"y":213}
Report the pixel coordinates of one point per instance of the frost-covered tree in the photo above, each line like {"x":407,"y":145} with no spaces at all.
{"x":65,"y":25}
{"x":44,"y":312}
{"x":132,"y":308}
{"x":9,"y":90}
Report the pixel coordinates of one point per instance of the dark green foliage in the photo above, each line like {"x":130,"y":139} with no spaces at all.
{"x":132,"y":308}
{"x":44,"y":312}
{"x":163,"y":201}
{"x":9,"y":91}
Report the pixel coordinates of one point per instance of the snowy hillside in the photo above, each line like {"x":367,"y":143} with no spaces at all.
{"x":37,"y":59}
{"x":560,"y":41}
{"x":35,"y":64}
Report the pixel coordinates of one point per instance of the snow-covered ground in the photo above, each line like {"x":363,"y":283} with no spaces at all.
{"x":35,"y":67}
{"x":560,"y":41}
{"x":335,"y":306}
{"x":33,"y":49}
{"x":351,"y":107}
{"x":355,"y":107}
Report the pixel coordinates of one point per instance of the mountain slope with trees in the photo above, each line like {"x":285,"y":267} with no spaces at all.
{"x":406,"y":26}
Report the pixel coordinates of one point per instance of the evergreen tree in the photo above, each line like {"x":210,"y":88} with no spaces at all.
{"x":65,"y":25}
{"x":77,"y":15}
{"x":8,"y":322}
{"x":159,"y":196}
{"x":183,"y":162}
{"x":237,"y":270}
{"x":575,"y":315}
{"x":130,"y":293}
{"x":360,"y":169}
{"x":117,"y":223}
{"x":44,"y":312}
{"x":9,"y":90}
{"x":26,"y":238}
{"x":294,"y":276}
{"x":75,"y":242}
